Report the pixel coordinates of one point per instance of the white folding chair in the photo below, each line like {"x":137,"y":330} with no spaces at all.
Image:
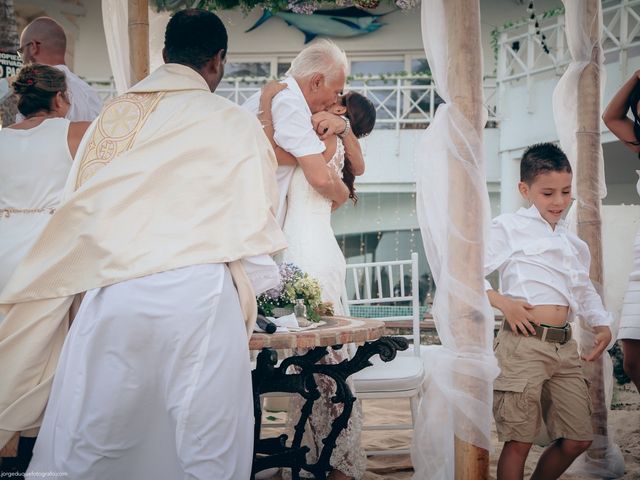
{"x":403,"y":376}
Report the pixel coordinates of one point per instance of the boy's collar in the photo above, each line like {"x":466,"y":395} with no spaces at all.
{"x":533,"y":212}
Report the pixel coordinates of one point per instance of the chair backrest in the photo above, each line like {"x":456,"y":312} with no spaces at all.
{"x":388,"y":290}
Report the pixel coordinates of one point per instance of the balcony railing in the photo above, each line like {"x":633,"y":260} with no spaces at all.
{"x":402,"y":102}
{"x":520,"y":52}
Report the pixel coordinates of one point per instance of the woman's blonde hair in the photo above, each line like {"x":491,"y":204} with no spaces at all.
{"x":323,"y":57}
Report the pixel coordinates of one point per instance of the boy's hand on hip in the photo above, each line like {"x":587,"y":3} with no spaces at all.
{"x":518,"y":316}
{"x":602,"y":339}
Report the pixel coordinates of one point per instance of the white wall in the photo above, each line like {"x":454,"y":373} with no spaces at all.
{"x":390,"y":156}
{"x":619,"y":226}
{"x":91,"y":60}
{"x":83,"y":23}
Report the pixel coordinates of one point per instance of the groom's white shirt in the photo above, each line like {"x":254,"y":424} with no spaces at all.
{"x":293,"y":133}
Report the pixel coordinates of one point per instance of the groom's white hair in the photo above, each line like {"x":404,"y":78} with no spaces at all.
{"x":323,"y":57}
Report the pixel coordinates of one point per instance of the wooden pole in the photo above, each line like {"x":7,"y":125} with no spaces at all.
{"x":588,"y":196}
{"x":138,"y":39}
{"x":464,"y":73}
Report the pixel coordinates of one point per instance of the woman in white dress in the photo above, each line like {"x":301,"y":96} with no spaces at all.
{"x":35,"y":159}
{"x":628,"y":131}
{"x":313,"y":248}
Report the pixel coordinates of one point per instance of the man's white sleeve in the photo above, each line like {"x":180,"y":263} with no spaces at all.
{"x":293,"y":129}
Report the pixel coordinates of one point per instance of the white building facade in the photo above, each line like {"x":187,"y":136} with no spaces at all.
{"x":389,"y":66}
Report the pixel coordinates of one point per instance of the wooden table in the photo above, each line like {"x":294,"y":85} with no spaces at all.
{"x":269,"y":378}
{"x":337,"y":331}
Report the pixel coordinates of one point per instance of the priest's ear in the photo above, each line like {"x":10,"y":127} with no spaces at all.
{"x":213,"y":70}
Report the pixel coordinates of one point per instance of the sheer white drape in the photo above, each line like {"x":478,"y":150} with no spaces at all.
{"x":565,"y":110}
{"x":451,"y":147}
{"x":565,"y":95}
{"x":115,"y":17}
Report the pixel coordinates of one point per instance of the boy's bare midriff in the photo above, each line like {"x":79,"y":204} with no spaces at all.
{"x":554,"y":315}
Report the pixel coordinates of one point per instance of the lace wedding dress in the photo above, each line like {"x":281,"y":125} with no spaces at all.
{"x":313,"y":247}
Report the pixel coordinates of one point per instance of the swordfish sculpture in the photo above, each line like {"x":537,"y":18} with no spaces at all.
{"x":341,"y":23}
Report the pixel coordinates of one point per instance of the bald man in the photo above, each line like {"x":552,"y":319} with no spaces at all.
{"x":44,"y":41}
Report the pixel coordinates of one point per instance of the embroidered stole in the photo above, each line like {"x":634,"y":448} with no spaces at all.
{"x":116,"y":130}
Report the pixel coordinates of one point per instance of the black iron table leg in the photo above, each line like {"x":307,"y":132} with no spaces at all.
{"x":267,"y":378}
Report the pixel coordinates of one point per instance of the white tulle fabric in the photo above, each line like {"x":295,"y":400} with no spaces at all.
{"x":565,"y":112}
{"x":448,"y":409}
{"x":115,"y":18}
{"x":612,"y":465}
{"x":565,"y":95}
{"x":313,"y":247}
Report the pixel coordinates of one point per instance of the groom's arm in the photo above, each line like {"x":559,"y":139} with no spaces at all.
{"x":294,"y":133}
{"x":323,"y":179}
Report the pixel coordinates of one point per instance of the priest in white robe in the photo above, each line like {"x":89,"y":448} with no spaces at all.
{"x":167,"y":224}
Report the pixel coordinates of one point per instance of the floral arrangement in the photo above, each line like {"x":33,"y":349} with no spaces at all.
{"x":294,"y":284}
{"x":297,"y":6}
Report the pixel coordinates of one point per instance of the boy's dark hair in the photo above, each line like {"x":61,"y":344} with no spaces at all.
{"x":542,"y":158}
{"x":193,"y":37}
{"x":362,"y":114}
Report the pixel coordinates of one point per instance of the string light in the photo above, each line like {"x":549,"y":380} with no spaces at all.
{"x":532,"y":17}
{"x":379,"y":219}
{"x":397,"y":214}
{"x":412,"y":236}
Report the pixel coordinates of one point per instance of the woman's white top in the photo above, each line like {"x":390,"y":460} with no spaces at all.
{"x":34,"y":165}
{"x":542,"y":265}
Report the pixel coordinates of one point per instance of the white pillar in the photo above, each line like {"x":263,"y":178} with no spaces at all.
{"x":510,"y":199}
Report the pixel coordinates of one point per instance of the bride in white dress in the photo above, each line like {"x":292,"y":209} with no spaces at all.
{"x":313,"y":248}
{"x":628,"y":131}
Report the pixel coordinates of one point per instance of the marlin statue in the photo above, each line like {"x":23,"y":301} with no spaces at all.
{"x":342,"y":23}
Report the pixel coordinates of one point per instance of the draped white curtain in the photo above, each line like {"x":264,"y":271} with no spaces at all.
{"x":565,"y":111}
{"x":565,"y":95}
{"x":451,"y":147}
{"x":115,"y":16}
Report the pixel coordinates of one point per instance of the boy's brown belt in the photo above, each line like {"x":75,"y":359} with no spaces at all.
{"x":547,"y":333}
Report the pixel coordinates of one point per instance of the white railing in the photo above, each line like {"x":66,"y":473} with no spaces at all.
{"x":520,"y":52}
{"x":402,"y":102}
{"x":106,"y":88}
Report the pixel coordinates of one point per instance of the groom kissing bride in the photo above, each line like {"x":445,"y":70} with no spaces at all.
{"x":314,"y":131}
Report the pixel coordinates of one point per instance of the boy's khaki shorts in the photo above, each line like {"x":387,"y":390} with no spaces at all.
{"x":540,"y":381}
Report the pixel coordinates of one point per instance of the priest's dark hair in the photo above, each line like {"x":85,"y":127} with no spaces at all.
{"x":193,"y":37}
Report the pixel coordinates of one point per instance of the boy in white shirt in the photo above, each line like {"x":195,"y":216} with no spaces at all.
{"x":544,"y":277}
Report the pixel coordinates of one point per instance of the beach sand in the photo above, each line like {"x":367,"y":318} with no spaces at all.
{"x":624,"y":425}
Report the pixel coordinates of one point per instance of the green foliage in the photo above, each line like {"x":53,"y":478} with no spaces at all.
{"x":294,"y":284}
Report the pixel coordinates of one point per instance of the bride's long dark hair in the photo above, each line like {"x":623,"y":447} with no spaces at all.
{"x":362,"y":116}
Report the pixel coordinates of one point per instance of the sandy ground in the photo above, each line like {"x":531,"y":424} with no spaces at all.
{"x":624,"y":424}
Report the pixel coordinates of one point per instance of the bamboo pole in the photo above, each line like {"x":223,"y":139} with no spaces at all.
{"x":588,"y":196}
{"x":465,"y":87}
{"x":138,"y":39}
